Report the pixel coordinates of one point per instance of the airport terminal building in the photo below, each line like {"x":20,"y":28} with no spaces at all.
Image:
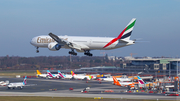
{"x":153,"y":66}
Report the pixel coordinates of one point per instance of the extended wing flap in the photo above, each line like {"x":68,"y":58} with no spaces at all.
{"x":75,"y":46}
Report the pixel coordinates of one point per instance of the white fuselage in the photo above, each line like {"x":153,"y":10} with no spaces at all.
{"x":125,"y":83}
{"x":42,"y":75}
{"x":86,"y":43}
{"x":47,"y":75}
{"x":15,"y":85}
{"x":119,"y":79}
{"x":81,"y":77}
{"x":2,"y":83}
{"x":67,"y":76}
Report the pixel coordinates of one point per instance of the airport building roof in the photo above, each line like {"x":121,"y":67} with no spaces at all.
{"x":98,"y":67}
{"x":162,"y":60}
{"x":173,"y":60}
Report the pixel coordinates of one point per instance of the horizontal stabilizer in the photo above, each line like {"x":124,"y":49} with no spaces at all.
{"x":123,"y":40}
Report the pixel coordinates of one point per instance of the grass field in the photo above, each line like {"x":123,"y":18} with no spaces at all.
{"x":21,"y":73}
{"x":17,"y":98}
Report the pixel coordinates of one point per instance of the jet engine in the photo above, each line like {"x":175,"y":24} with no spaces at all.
{"x":54,"y":46}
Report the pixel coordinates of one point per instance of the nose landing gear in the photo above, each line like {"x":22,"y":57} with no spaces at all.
{"x":37,"y":51}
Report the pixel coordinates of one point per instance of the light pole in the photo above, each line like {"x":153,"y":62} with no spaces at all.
{"x":156,"y":75}
{"x":177,"y":77}
{"x":177,"y":69}
{"x":169,"y":69}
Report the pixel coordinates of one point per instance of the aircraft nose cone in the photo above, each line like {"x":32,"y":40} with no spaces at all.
{"x":33,"y":41}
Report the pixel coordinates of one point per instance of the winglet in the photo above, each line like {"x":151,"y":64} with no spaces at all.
{"x":38,"y":72}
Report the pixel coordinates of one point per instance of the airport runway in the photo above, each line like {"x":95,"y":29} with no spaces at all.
{"x":44,"y":86}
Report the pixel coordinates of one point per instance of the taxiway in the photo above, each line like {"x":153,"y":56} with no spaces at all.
{"x":45,"y":87}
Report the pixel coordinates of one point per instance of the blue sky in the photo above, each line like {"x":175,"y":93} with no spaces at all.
{"x":157,"y":22}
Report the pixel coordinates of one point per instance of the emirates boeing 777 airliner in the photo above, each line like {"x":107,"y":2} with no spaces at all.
{"x":84,"y":44}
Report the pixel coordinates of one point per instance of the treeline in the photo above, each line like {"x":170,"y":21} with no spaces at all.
{"x":55,"y":62}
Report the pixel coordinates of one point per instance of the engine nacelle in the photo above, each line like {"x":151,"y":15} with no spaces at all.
{"x":54,"y":46}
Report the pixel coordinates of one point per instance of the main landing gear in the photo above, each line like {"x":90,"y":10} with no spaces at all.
{"x":72,"y":52}
{"x":88,"y":53}
{"x":37,"y":51}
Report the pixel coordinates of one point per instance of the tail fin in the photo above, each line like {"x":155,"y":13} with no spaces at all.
{"x":60,"y":74}
{"x":38,"y":72}
{"x":102,"y":75}
{"x":91,"y":77}
{"x":72,"y":73}
{"x":116,"y":82}
{"x":125,"y":34}
{"x":24,"y":81}
{"x":140,"y":81}
{"x":59,"y":71}
{"x":49,"y":73}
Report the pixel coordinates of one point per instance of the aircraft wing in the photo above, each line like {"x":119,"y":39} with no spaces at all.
{"x":122,"y":40}
{"x":64,"y":42}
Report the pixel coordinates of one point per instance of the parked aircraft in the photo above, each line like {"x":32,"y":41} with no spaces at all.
{"x":119,"y":79}
{"x":52,"y":75}
{"x":125,"y":84}
{"x":19,"y":85}
{"x":85,"y":44}
{"x":4,"y":83}
{"x":65,"y":76}
{"x":41,"y":75}
{"x":81,"y":76}
{"x":140,"y":81}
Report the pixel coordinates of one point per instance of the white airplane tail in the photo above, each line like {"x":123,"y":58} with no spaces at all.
{"x":60,"y":74}
{"x":126,"y":33}
{"x":49,"y":73}
{"x":25,"y":81}
{"x":140,"y":81}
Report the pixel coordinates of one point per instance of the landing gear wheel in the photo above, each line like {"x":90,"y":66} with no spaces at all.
{"x":88,"y":53}
{"x":72,"y":52}
{"x":37,"y":51}
{"x":75,"y":53}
